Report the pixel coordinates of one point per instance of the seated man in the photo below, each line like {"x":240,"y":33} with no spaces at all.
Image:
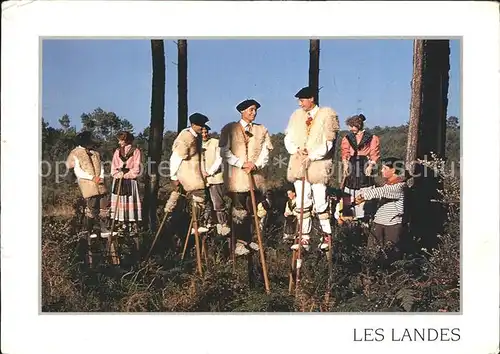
{"x":290,"y":228}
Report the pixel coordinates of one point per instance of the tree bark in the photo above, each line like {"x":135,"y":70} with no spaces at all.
{"x":415,"y":105}
{"x":427,"y":135}
{"x":314,"y":67}
{"x":435,"y":89}
{"x":156,"y":127}
{"x":182,"y":85}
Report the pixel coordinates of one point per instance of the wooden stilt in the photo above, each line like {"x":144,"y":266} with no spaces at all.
{"x":197,"y":237}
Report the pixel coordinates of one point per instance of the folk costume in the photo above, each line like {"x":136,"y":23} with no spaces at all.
{"x":89,"y":171}
{"x":360,"y":152}
{"x":266,"y":211}
{"x":185,"y":163}
{"x":212,"y":165}
{"x":290,"y":227}
{"x":315,"y":131}
{"x":241,"y":142}
{"x":126,"y":159}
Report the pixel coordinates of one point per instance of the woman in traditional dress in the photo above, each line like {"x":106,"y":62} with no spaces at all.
{"x":126,"y":165}
{"x":360,"y":152}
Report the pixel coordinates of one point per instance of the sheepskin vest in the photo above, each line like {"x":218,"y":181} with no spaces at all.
{"x":92,"y":165}
{"x":324,"y":126}
{"x":189,"y":149}
{"x":246,"y":148}
{"x":210,"y":153}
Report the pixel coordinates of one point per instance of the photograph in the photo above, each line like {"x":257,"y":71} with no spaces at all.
{"x":223,"y":177}
{"x":251,"y":175}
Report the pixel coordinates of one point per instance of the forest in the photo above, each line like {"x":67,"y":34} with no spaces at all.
{"x":427,"y":279}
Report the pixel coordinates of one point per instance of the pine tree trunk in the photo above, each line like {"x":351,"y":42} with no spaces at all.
{"x":427,"y":135}
{"x":415,"y":104}
{"x":156,"y":127}
{"x":314,"y":67}
{"x":436,"y":80}
{"x":182,"y":85}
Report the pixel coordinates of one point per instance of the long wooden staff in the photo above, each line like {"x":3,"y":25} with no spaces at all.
{"x":233,"y":240}
{"x":188,"y":234}
{"x":111,"y":243}
{"x":196,"y":237}
{"x":259,"y":236}
{"x":292,"y":265}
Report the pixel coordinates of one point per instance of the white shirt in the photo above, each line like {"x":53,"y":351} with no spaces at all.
{"x":176,"y":160}
{"x":317,"y":154}
{"x":218,"y":161}
{"x":81,"y":174}
{"x":235,"y":161}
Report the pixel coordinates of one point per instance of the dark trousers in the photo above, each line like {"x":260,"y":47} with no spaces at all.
{"x":92,"y":212}
{"x":216,"y":203}
{"x":387,"y":234}
{"x":290,"y":227}
{"x":389,"y":238}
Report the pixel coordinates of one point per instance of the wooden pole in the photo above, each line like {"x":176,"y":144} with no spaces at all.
{"x":259,"y":235}
{"x":187,"y":239}
{"x":111,"y":243}
{"x":196,"y":237}
{"x":301,"y":222}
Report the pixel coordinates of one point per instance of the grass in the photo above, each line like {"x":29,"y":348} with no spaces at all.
{"x":362,"y":281}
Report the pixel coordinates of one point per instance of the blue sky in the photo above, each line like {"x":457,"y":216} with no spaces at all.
{"x":368,"y":75}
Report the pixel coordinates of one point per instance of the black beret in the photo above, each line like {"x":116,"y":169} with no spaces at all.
{"x":305,"y":92}
{"x":247,"y":103}
{"x":207,"y":127}
{"x":198,"y":119}
{"x":84,"y":138}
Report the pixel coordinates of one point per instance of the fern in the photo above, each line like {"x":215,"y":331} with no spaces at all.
{"x":407,"y":298}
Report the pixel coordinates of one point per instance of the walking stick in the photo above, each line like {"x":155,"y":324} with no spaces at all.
{"x":292,"y":265}
{"x":188,"y":234}
{"x":233,"y":241}
{"x":196,"y":237}
{"x":259,"y":236}
{"x":111,"y":244}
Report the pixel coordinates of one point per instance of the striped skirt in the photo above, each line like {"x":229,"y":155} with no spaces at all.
{"x":129,"y":203}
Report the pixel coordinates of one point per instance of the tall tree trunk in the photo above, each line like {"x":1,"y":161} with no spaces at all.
{"x":415,"y":104}
{"x":435,"y":88}
{"x":314,"y":67}
{"x":156,"y":127}
{"x":427,"y":134}
{"x":182,"y":84}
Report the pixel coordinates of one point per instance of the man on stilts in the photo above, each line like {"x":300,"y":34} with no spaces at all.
{"x":245,"y":147}
{"x":89,"y":171}
{"x":309,"y":139}
{"x":185,"y":166}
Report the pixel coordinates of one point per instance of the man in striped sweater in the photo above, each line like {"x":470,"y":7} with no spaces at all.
{"x":388,"y":220}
